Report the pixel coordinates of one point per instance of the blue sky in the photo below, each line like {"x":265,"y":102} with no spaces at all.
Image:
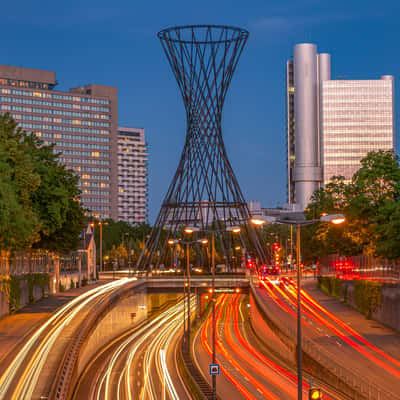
{"x":115,"y":43}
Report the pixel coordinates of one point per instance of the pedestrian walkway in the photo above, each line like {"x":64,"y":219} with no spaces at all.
{"x":15,"y":329}
{"x":379,"y":335}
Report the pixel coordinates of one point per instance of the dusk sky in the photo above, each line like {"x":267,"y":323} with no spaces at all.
{"x":115,"y":43}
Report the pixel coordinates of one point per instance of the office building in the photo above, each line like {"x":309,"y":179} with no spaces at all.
{"x":132,"y":176}
{"x":331,"y":124}
{"x":82,"y":123}
{"x":357,"y":117}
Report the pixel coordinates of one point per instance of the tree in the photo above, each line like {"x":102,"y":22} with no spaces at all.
{"x":39,"y":198}
{"x":116,"y":233}
{"x":56,"y":201}
{"x":19,"y":223}
{"x":371,"y":206}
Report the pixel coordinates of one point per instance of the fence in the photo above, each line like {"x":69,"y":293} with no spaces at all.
{"x":365,"y":267}
{"x":22,"y":262}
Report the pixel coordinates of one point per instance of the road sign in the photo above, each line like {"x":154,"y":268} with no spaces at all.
{"x":214,"y":369}
{"x":133,"y":315}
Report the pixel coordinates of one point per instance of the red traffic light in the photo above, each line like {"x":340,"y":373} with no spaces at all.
{"x":276,"y":246}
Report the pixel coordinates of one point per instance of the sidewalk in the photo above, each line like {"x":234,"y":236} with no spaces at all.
{"x":379,"y":335}
{"x":16,"y":328}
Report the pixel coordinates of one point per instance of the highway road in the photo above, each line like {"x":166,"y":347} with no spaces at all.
{"x":248,"y":372}
{"x":338,"y":341}
{"x":33,"y":370}
{"x":140,"y":364}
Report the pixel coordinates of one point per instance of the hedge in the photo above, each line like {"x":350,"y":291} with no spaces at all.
{"x":367,"y":294}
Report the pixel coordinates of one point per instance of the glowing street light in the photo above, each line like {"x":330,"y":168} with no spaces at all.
{"x":285,"y":219}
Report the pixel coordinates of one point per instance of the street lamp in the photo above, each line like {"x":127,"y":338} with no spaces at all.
{"x":299,"y":222}
{"x":188,"y":230}
{"x":100,"y":223}
{"x":233,"y":229}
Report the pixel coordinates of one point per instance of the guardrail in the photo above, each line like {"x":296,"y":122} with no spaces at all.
{"x":352,"y":378}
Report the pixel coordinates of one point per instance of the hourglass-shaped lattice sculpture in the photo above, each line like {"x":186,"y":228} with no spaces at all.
{"x":204,"y":191}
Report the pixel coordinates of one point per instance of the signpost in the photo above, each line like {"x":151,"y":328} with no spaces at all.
{"x":214,"y":369}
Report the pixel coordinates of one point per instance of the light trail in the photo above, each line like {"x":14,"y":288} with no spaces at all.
{"x":156,"y":336}
{"x":242,"y":355}
{"x":347,"y":328}
{"x":272,"y":375}
{"x":293,"y":292}
{"x":171,"y":387}
{"x":59,"y":320}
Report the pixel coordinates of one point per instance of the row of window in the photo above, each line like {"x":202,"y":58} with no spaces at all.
{"x":84,"y":153}
{"x":96,"y":200}
{"x":52,"y":103}
{"x":25,"y":84}
{"x":54,"y":95}
{"x":96,"y":177}
{"x":83,"y":160}
{"x":30,"y":117}
{"x":7,"y":107}
{"x":82,"y":145}
{"x":94,"y":184}
{"x":76,"y":137}
{"x":384,"y":123}
{"x":96,"y":192}
{"x":91,"y":169}
{"x":99,"y":208}
{"x":63,"y":128}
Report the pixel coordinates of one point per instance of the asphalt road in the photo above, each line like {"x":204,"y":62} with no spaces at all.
{"x":247,"y":371}
{"x":337,"y":341}
{"x":32,"y":372}
{"x":141,"y":364}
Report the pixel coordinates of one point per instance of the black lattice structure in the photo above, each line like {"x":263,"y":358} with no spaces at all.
{"x":204,"y":191}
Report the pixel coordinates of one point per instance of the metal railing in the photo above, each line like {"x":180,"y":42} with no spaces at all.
{"x":361,"y":267}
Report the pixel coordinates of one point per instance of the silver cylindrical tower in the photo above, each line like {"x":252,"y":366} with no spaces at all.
{"x":307,"y":174}
{"x":324,"y":67}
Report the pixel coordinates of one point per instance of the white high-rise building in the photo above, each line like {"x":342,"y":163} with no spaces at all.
{"x":357,"y":117}
{"x":132,"y":176}
{"x":331,"y":124}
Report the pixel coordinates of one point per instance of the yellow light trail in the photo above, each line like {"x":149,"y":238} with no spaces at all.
{"x":58,"y":321}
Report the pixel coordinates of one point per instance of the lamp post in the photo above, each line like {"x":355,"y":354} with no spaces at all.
{"x":233,"y":229}
{"x":100,"y":223}
{"x":299,"y":222}
{"x":187,"y":244}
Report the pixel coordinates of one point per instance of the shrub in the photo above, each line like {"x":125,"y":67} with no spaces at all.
{"x":368,"y":296}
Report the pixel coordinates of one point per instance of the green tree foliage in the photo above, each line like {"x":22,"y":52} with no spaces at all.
{"x":120,"y":233}
{"x":56,"y":201}
{"x":19,"y":223}
{"x":370,"y":203}
{"x":39,"y":203}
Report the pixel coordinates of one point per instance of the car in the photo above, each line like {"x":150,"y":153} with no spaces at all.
{"x":269,"y":273}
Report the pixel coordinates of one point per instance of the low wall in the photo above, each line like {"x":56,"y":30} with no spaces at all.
{"x":18,"y":291}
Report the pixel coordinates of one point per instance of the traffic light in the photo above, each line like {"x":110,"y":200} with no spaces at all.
{"x":276,"y":247}
{"x":314,"y":394}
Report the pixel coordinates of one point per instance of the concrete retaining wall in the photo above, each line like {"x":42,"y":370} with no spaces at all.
{"x":388,"y":313}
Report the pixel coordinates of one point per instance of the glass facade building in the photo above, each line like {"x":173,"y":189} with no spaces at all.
{"x":331,"y":124}
{"x":357,"y":117}
{"x":132,"y":176}
{"x":82,"y":123}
